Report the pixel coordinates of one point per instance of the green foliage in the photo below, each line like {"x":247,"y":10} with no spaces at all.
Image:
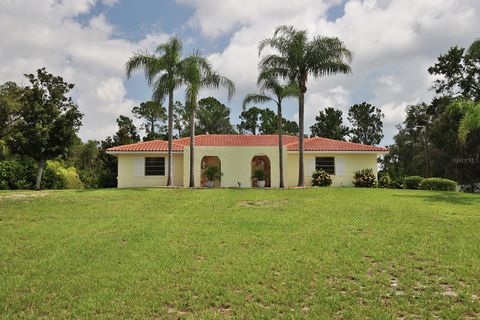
{"x":471,"y":119}
{"x":212,"y":173}
{"x":438,"y":184}
{"x":249,"y":123}
{"x":460,"y":72}
{"x":52,"y":179}
{"x":17,"y":174}
{"x":213,"y":117}
{"x":154,"y":116}
{"x":321,"y":179}
{"x":329,"y":124}
{"x":367,"y":125}
{"x":412,"y":182}
{"x":127,"y":131}
{"x":259,"y":174}
{"x":48,"y":119}
{"x":68,"y":175}
{"x":364,"y":178}
{"x":11,"y":96}
{"x":384,"y":180}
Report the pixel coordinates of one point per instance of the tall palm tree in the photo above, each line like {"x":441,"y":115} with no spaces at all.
{"x":198,"y":74}
{"x":295,"y":58}
{"x":471,"y":120}
{"x":164,"y":73}
{"x":269,"y":83}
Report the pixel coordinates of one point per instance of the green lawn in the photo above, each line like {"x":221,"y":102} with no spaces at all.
{"x":316,"y":253}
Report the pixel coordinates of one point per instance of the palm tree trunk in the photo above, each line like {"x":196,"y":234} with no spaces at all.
{"x":301,"y":109}
{"x":170,"y":138}
{"x":192,"y":149}
{"x":38,"y":182}
{"x":280,"y":143}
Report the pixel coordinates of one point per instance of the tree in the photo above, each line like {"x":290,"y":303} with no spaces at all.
{"x":180,"y":119}
{"x":329,"y":124}
{"x":154,"y":116}
{"x":296,"y":58}
{"x":127,"y":131}
{"x":471,"y":119}
{"x":460,"y":72}
{"x":366,"y":123}
{"x":271,"y":90}
{"x":198,"y":74}
{"x":164,"y":73}
{"x":10,"y":103}
{"x":213,"y":117}
{"x":48,"y":120}
{"x":249,"y":123}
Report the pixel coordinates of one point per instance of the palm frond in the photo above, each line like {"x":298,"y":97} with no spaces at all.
{"x":144,"y":60}
{"x":255,"y":98}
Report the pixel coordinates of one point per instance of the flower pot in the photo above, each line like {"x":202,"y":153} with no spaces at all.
{"x":210,"y":184}
{"x":261,"y":184}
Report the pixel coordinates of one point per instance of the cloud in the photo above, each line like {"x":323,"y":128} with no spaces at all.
{"x":393,"y":42}
{"x":34,"y":34}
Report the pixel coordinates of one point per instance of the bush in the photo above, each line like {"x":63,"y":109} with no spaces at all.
{"x":412,"y":182}
{"x":68,"y":174}
{"x":439,"y":184}
{"x":397,"y":183}
{"x":364,"y":178}
{"x":321,"y":179}
{"x":16,"y":174}
{"x":384,"y":180}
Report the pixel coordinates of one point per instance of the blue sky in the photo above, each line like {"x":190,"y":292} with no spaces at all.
{"x":89,"y":41}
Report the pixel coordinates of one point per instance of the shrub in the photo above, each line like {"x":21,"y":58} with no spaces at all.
{"x":69,"y":176}
{"x":16,"y":174}
{"x":321,"y":179}
{"x":259,"y":174}
{"x":397,"y":183}
{"x":384,"y":180}
{"x":412,"y":182}
{"x":364,"y":178}
{"x":439,"y":184}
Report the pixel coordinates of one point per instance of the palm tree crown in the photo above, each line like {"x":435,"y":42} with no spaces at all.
{"x":295,"y":58}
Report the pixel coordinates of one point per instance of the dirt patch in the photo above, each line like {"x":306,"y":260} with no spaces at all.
{"x":262,"y":203}
{"x":23,"y":196}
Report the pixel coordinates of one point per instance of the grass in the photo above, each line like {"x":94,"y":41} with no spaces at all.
{"x":316,"y":253}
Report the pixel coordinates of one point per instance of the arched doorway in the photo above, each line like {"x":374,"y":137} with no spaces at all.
{"x":263,"y":163}
{"x":210,"y":161}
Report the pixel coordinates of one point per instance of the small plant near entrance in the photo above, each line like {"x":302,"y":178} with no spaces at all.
{"x":260,"y":175}
{"x":212,"y":173}
{"x":321,"y":179}
{"x":364,"y":178}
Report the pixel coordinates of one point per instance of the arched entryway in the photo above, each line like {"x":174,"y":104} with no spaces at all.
{"x":263,"y":163}
{"x":210,"y":161}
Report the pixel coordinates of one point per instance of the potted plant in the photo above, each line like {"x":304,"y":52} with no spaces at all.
{"x":212,"y":173}
{"x":259,"y":174}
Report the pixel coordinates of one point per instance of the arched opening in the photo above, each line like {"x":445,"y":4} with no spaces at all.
{"x":261,"y":163}
{"x":210,"y":161}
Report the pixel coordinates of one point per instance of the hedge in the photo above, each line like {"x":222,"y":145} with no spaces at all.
{"x":439,"y":184}
{"x":412,"y":182}
{"x":364,"y":178}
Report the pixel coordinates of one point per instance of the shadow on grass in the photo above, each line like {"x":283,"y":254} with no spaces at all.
{"x":447,"y":197}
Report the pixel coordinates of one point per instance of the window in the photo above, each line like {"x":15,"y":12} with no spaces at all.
{"x":155,"y":166}
{"x":326,"y":164}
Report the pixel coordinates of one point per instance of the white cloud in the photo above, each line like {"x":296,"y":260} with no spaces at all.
{"x":34,"y":34}
{"x":393,"y":42}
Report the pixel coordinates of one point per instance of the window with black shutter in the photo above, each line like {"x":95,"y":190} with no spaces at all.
{"x":326,"y":164}
{"x":155,"y":166}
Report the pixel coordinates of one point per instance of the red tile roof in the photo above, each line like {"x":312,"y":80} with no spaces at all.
{"x":223,"y":140}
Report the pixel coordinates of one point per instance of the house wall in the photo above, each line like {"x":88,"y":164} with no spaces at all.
{"x":127,"y":178}
{"x":235,"y":164}
{"x":352,"y":162}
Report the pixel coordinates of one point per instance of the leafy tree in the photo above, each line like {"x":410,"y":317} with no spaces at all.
{"x":10,"y":104}
{"x":290,"y":127}
{"x":213,"y":117}
{"x":180,"y":119}
{"x":85,"y":158}
{"x":271,"y":90}
{"x":249,"y":121}
{"x":329,"y":124}
{"x":296,"y":58}
{"x":48,"y":120}
{"x":460,"y":72}
{"x":366,"y":123}
{"x":127,"y":131}
{"x":108,"y":175}
{"x":153,"y":115}
{"x":198,"y":74}
{"x":164,"y":73}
